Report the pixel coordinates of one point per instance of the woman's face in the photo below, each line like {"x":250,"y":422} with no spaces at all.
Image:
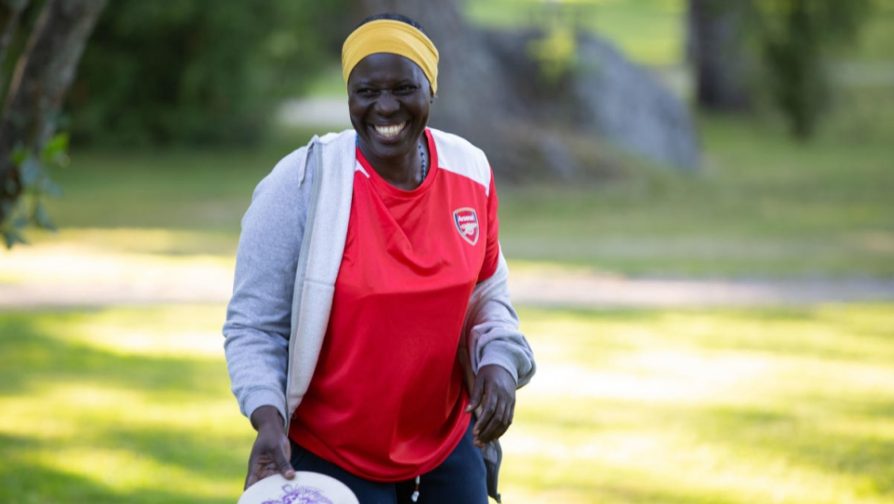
{"x":388,"y":100}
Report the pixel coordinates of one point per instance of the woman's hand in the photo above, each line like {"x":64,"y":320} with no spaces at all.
{"x":494,"y":393}
{"x":271,"y":451}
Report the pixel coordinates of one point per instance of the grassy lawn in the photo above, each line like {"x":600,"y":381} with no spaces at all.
{"x":789,"y":406}
{"x":762,"y":206}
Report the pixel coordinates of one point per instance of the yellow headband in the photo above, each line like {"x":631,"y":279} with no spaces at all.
{"x":390,"y":36}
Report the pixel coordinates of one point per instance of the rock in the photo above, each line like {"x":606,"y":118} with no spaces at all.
{"x":604,"y":97}
{"x":628,"y":106}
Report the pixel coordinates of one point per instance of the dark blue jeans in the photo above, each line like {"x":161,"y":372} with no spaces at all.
{"x":459,"y":479}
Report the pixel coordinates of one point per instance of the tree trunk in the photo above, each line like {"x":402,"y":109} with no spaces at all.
{"x":717,"y":49}
{"x":42,"y":76}
{"x":10,"y":11}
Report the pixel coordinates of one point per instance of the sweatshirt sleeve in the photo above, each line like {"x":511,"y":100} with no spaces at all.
{"x":493,"y":333}
{"x":258,"y":321}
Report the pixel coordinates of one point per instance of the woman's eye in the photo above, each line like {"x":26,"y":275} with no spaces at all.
{"x":405,"y":90}
{"x":366,"y":92}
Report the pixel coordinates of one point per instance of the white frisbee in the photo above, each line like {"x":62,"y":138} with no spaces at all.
{"x":307,"y":488}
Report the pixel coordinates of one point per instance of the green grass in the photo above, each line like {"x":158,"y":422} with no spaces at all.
{"x":875,"y":39}
{"x":789,"y":406}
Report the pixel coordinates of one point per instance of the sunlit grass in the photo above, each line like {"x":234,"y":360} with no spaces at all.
{"x":787,"y":405}
{"x":116,"y":255}
{"x":118,"y":405}
{"x":722,"y":406}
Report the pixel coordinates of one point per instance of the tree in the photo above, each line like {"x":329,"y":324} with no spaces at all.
{"x":796,"y":35}
{"x":778,"y":47}
{"x":194,"y":72}
{"x":718,"y":51}
{"x":43,"y":73}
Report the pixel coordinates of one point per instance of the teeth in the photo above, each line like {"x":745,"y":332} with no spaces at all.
{"x":390,"y":131}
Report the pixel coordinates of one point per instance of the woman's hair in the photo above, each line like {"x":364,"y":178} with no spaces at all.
{"x":393,"y":17}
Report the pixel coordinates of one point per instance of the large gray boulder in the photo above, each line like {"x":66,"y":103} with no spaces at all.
{"x":630,"y":108}
{"x":604,"y":97}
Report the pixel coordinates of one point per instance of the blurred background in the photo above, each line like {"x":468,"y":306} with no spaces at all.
{"x":697,"y":204}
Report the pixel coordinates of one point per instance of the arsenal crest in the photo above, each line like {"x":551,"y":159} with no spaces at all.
{"x":466,"y":220}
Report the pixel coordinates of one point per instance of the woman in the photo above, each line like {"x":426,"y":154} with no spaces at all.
{"x":370,"y":318}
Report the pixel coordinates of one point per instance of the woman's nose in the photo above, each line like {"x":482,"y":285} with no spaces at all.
{"x":387,"y":103}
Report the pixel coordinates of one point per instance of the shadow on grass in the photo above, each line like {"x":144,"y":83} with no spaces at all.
{"x":21,"y":481}
{"x":817,"y":441}
{"x":34,"y":361}
{"x":31,"y":357}
{"x":204,"y":455}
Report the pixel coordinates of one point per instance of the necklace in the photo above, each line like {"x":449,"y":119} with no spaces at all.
{"x":424,"y":161}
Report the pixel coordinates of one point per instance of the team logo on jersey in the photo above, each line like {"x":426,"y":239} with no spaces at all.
{"x":466,"y":220}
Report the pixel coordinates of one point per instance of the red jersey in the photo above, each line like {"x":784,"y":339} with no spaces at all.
{"x":387,"y":399}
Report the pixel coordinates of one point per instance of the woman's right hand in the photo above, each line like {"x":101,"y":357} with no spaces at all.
{"x":271,"y":452}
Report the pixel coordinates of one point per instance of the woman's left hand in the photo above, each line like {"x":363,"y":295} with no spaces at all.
{"x":494,"y":393}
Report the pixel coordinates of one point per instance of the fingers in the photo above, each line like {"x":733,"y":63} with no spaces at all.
{"x":494,"y":391}
{"x":495,"y":419}
{"x":257,"y":472}
{"x":250,"y":479}
{"x":269,"y":455}
{"x":282,"y":456}
{"x":477,"y":392}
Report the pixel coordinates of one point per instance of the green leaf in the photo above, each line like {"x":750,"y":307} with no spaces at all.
{"x":19,"y":154}
{"x":55,"y":152}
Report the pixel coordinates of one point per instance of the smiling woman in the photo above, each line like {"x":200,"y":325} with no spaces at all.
{"x":370,"y":335}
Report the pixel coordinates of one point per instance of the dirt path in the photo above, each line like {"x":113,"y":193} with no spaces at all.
{"x":211,"y":283}
{"x":594,"y":291}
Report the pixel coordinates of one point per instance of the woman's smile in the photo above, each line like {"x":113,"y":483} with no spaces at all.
{"x":391,"y":131}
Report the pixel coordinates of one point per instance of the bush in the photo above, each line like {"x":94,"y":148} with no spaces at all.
{"x":196,"y":71}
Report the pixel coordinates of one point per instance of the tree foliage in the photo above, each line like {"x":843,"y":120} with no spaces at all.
{"x":796,"y":36}
{"x":196,"y":71}
{"x":786,"y":43}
